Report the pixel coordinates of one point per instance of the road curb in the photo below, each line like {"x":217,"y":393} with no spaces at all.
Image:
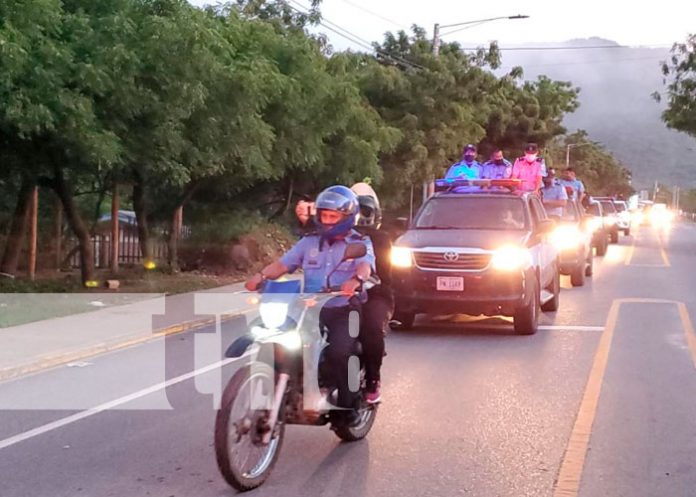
{"x":56,"y":360}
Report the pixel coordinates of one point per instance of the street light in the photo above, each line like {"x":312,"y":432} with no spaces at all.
{"x":572,"y":145}
{"x":437,"y":27}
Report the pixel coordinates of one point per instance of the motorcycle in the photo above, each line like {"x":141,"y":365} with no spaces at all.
{"x":283,"y":384}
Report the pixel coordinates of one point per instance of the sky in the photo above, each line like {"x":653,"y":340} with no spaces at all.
{"x":633,"y":23}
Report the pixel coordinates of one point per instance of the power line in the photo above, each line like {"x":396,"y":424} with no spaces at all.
{"x":607,"y":61}
{"x":335,"y":28}
{"x":375,"y":14}
{"x":596,"y":47}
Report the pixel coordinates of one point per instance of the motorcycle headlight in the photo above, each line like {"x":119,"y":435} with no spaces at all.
{"x":511,"y":259}
{"x":566,"y":237}
{"x":401,"y":257}
{"x":273,"y":314}
{"x":291,"y":340}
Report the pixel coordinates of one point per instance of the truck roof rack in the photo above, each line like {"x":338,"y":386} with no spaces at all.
{"x":476,"y":185}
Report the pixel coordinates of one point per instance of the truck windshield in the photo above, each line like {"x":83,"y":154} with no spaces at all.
{"x":473,"y":213}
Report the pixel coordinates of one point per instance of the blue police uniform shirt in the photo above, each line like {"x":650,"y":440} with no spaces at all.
{"x":577,"y":186}
{"x":462,"y":170}
{"x":554,"y":192}
{"x":317,"y":262}
{"x":491,"y":170}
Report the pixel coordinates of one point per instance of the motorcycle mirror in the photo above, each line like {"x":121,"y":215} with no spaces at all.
{"x":354,"y":251}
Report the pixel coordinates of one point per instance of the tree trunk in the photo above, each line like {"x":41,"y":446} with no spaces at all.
{"x":33,"y":232}
{"x":58,"y":232}
{"x":77,"y":225}
{"x":140,"y":207}
{"x":174,"y":236}
{"x":20,"y":220}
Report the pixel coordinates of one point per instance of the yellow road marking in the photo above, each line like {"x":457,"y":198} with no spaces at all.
{"x":570,"y":473}
{"x":688,"y":330}
{"x":631,"y":251}
{"x":663,"y":253}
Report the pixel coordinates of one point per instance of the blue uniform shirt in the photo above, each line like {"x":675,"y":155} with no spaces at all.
{"x":554,"y":192}
{"x":462,"y":170}
{"x":491,"y":170}
{"x":577,"y":186}
{"x":317,"y":264}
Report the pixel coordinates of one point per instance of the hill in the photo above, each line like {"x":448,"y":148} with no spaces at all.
{"x":616,"y":106}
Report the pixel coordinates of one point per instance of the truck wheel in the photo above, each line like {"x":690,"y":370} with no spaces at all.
{"x":526,"y":319}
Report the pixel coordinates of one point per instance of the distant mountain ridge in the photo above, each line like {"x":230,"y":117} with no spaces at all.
{"x":616,"y":106}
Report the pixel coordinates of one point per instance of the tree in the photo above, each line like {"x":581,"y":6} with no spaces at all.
{"x":601,"y":172}
{"x":680,"y":78}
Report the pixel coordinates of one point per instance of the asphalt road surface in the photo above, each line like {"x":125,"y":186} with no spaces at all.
{"x":600,"y":402}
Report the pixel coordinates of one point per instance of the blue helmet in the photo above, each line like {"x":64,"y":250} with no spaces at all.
{"x":340,"y":199}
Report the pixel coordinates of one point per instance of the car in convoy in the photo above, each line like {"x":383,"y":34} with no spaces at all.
{"x":611,"y":218}
{"x":598,"y":227}
{"x":620,"y":220}
{"x":573,"y":239}
{"x":477,"y":251}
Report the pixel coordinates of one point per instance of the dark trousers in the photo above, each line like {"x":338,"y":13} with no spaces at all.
{"x":342,"y":346}
{"x":376,"y":313}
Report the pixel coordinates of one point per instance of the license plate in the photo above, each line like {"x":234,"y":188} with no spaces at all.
{"x":450,"y":284}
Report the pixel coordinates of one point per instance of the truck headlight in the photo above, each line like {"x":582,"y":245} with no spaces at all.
{"x":401,"y":257}
{"x":511,"y":258}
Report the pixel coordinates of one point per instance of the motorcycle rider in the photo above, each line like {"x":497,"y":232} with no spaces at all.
{"x":379,"y":308}
{"x":337,"y":212}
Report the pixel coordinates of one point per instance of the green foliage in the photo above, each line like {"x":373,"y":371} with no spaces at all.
{"x":680,"y":72}
{"x":601,"y":172}
{"x":238,"y":108}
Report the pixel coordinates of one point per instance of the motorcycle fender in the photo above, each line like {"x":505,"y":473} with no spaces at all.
{"x":239,"y":347}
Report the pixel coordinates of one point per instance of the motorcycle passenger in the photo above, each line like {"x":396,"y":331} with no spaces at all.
{"x":337,"y":212}
{"x":379,"y":308}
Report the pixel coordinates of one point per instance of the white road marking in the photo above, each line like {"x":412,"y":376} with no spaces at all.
{"x":8,"y":442}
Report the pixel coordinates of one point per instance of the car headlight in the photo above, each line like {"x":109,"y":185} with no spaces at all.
{"x":566,"y":237}
{"x":511,"y":258}
{"x":401,"y":257}
{"x":593,"y":224}
{"x":611,"y":221}
{"x":638,"y":218}
{"x":273,"y":314}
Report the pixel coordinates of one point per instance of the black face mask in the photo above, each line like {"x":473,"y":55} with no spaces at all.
{"x":499,"y":162}
{"x":469,"y":158}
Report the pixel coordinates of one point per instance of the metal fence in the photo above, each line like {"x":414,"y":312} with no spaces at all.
{"x":129,"y":249}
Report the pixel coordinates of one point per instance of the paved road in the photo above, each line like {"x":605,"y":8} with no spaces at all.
{"x":601,"y":402}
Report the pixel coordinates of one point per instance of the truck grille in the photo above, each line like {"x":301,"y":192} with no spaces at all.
{"x":446,"y":261}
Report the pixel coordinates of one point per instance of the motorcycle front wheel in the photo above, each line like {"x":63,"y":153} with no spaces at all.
{"x":245,"y":461}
